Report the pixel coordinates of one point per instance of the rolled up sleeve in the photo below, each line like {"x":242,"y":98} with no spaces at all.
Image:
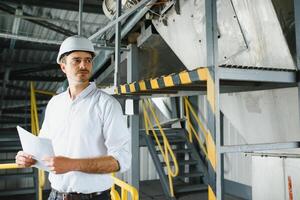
{"x":116,"y":134}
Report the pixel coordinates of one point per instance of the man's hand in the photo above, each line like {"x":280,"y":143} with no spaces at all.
{"x":25,"y":160}
{"x":59,"y":164}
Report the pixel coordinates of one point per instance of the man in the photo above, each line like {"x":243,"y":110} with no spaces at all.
{"x":87,"y":129}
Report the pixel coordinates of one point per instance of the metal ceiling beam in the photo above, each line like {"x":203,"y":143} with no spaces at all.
{"x":44,"y":24}
{"x":25,"y":98}
{"x":15,"y":28}
{"x":25,"y":65}
{"x":22,"y":71}
{"x":125,"y":15}
{"x":37,"y":78}
{"x":17,"y":111}
{"x":51,"y":42}
{"x":26,"y":106}
{"x":24,"y":45}
{"x":13,"y":118}
{"x":4,"y":121}
{"x":101,"y":59}
{"x":89,"y":6}
{"x":64,"y":21}
{"x":80,"y":17}
{"x":29,"y":39}
{"x":42,"y":68}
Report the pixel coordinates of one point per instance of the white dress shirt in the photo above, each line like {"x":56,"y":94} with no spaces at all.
{"x":89,"y":126}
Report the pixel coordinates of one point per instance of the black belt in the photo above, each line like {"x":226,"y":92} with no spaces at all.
{"x":80,"y":196}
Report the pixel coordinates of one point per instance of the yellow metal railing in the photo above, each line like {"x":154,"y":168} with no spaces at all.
{"x":35,"y":129}
{"x":190,"y":128}
{"x":125,"y":189}
{"x":10,"y":166}
{"x":165,"y":149}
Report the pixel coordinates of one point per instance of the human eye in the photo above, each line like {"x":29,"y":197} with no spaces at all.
{"x":89,"y":60}
{"x":76,"y":61}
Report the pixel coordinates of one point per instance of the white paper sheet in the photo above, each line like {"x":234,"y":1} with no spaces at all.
{"x":35,"y":146}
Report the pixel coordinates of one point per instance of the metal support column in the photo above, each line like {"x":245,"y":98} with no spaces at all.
{"x":213,"y":109}
{"x":297,"y":35}
{"x":80,"y":17}
{"x":132,"y":75}
{"x":117,"y":43}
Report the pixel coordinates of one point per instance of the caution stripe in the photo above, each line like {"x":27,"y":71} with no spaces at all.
{"x":210,"y":137}
{"x":211,"y":194}
{"x":184,"y":77}
{"x":172,"y":80}
{"x":168,"y":81}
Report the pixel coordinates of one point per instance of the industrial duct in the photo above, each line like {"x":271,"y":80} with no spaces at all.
{"x":109,"y":6}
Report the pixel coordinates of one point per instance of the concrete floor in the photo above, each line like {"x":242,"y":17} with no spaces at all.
{"x":149,"y":190}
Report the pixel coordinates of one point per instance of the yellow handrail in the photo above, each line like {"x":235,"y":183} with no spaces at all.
{"x":35,"y":129}
{"x":125,"y":188}
{"x":167,"y":150}
{"x":191,"y":130}
{"x":10,"y":166}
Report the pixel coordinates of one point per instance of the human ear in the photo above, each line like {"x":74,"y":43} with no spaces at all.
{"x":63,"y":67}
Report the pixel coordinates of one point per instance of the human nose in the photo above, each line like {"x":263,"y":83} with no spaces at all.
{"x":83,"y":63}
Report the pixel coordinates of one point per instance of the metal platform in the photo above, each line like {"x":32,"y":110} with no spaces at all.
{"x":232,"y":79}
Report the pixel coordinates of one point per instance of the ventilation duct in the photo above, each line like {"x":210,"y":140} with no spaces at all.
{"x":109,"y":6}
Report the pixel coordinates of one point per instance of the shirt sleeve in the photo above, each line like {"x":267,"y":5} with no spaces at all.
{"x":116,"y":134}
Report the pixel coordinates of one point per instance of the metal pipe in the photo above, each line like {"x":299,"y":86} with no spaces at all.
{"x":55,"y":42}
{"x":247,"y":148}
{"x":52,"y":20}
{"x":5,"y":80}
{"x":297,"y":30}
{"x":80,"y":17}
{"x":117,"y":42}
{"x":103,"y":56}
{"x":29,"y":39}
{"x":119,"y":19}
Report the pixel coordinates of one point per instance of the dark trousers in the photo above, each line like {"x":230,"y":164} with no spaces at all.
{"x":55,"y":195}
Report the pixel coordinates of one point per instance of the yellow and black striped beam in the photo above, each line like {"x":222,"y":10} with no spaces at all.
{"x":169,"y":81}
{"x":211,"y":136}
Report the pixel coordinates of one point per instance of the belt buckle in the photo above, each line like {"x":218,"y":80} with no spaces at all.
{"x":65,"y":196}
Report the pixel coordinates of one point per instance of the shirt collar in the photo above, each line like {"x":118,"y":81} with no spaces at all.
{"x":84,"y":92}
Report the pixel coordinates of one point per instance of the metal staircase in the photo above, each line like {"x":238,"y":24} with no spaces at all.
{"x":192,"y":174}
{"x":14,"y":178}
{"x":180,"y":166}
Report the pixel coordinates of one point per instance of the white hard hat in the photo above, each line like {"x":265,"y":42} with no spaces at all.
{"x":75,"y":43}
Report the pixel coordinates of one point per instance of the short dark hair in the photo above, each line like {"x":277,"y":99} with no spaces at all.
{"x":63,"y":56}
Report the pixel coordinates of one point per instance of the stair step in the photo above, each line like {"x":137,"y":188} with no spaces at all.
{"x":174,"y":140}
{"x":167,"y":131}
{"x":182,"y":162}
{"x":182,"y":150}
{"x":10,"y":149}
{"x":17,"y":175}
{"x":177,"y":151}
{"x":187,"y":187}
{"x":189,"y":175}
{"x":18,"y":191}
{"x":4,"y":161}
{"x":9,"y":139}
{"x":170,"y":122}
